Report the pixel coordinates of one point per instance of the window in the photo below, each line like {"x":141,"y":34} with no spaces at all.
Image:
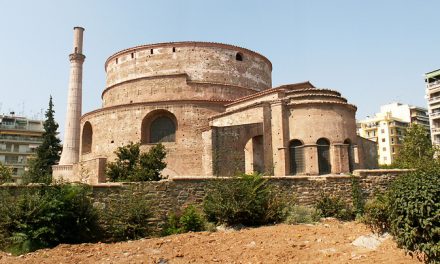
{"x":174,"y":49}
{"x":350,"y":153}
{"x":151,"y":51}
{"x":162,"y":130}
{"x":297,"y":161}
{"x":323,"y":148}
{"x":383,"y":139}
{"x":382,"y":131}
{"x":158,"y":126}
{"x":239,"y":56}
{"x":393,"y":150}
{"x":132,"y":55}
{"x":384,"y":149}
{"x":116,"y":60}
{"x":87,"y":138}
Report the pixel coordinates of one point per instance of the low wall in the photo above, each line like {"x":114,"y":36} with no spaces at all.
{"x":175,"y":193}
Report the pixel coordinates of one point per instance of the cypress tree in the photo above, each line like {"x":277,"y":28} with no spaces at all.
{"x":48,"y":153}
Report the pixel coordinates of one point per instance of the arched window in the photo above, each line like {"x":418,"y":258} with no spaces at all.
{"x":350,"y":154}
{"x":239,"y":56}
{"x":297,"y":161}
{"x":158,"y":126}
{"x":323,"y":147}
{"x":162,"y":129}
{"x":87,"y":138}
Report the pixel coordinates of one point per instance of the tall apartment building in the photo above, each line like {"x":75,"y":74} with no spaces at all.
{"x":432,"y":80}
{"x":19,"y":138}
{"x":387,"y":128}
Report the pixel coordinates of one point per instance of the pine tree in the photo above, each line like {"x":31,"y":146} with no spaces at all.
{"x":48,"y":153}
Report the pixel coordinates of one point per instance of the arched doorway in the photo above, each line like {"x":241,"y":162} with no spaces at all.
{"x":350,"y":153}
{"x":297,"y":161}
{"x":86,"y":138}
{"x":324,"y":164}
{"x":254,"y":155}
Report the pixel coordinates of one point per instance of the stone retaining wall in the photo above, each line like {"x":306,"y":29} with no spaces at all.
{"x":173,"y":194}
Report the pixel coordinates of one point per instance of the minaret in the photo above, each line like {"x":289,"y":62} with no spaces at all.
{"x":70,"y":154}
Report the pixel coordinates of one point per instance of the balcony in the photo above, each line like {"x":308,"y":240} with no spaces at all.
{"x":434,"y":85}
{"x":7,"y":126}
{"x":10,"y":151}
{"x":8,"y":138}
{"x":434,"y":99}
{"x":435,"y":115}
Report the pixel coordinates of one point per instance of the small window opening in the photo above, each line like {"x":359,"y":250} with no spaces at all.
{"x":132,"y":55}
{"x":174,"y":49}
{"x":151,"y":51}
{"x":112,"y":141}
{"x":239,"y":56}
{"x":116,"y":60}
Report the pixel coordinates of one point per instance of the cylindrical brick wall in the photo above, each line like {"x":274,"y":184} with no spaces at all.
{"x":184,"y":70}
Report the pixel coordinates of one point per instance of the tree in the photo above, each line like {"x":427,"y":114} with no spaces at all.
{"x":48,"y":153}
{"x":132,"y":165}
{"x":417,"y":150}
{"x":5,"y":174}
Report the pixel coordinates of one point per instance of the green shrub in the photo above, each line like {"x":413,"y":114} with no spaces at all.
{"x":302,"y":215}
{"x":247,"y":199}
{"x":357,"y":197}
{"x":134,"y":166}
{"x":126,"y":217}
{"x":414,"y":213}
{"x":45,"y":217}
{"x":376,"y":213}
{"x":5,"y":174}
{"x":190,"y":220}
{"x":331,"y":206}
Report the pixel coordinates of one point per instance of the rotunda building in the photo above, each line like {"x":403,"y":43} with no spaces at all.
{"x":214,"y":109}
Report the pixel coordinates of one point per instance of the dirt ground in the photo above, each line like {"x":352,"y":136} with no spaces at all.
{"x":327,"y":242}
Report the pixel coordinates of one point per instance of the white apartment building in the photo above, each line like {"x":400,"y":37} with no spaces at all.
{"x":432,"y":80}
{"x":387,"y":128}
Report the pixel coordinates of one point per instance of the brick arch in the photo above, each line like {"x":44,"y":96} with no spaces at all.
{"x":159,"y":126}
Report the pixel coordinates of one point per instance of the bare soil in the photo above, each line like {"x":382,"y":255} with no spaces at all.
{"x":329,"y":241}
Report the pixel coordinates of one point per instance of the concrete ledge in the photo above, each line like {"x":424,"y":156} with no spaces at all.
{"x":379,"y":172}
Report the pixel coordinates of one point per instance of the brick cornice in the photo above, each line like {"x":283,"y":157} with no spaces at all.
{"x":188,"y":44}
{"x":133,"y":105}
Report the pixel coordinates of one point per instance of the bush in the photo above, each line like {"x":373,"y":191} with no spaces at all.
{"x":190,"y":220}
{"x":414,"y":212}
{"x":46,"y":217}
{"x":357,"y":197}
{"x":334,"y":207}
{"x":376,"y":213}
{"x":125,"y":218}
{"x":302,"y":215}
{"x":5,"y":174}
{"x":134,"y":166}
{"x":247,"y":199}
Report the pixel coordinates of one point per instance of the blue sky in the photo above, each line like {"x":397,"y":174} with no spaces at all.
{"x":373,"y":52}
